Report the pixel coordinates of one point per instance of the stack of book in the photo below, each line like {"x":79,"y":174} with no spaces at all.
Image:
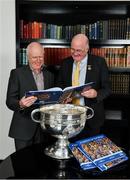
{"x":97,"y":152}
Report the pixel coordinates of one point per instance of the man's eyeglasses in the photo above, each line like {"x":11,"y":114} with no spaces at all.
{"x":36,"y":58}
{"x":79,"y":51}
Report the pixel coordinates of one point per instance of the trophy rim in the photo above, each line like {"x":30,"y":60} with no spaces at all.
{"x":63,"y":110}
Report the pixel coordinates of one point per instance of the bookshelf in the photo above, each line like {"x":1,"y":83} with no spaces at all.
{"x":107,"y":24}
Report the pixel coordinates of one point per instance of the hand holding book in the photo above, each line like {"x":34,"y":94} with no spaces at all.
{"x":27,"y":101}
{"x":89,"y":93}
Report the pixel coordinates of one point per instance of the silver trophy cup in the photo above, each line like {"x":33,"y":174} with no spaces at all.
{"x":62,"y":121}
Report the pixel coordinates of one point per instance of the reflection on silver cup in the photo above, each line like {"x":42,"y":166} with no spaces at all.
{"x":62,"y":121}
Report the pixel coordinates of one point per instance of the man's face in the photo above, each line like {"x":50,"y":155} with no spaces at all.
{"x":36,"y":58}
{"x":79,"y":50}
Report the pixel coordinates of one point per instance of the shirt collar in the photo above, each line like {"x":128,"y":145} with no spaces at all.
{"x":34,"y":71}
{"x":84,"y":60}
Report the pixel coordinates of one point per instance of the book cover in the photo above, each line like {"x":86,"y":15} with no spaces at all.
{"x":57,"y":95}
{"x":84,"y":162}
{"x":102,"y":151}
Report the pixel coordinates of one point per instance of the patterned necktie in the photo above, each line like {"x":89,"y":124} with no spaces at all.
{"x":75,"y":82}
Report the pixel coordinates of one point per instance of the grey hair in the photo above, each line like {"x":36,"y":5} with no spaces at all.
{"x":31,"y":45}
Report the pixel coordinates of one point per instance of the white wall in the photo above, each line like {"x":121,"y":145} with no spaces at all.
{"x":7,"y":62}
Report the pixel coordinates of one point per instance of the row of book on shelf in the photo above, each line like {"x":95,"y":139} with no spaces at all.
{"x":101,"y":29}
{"x":120,"y":83}
{"x":97,"y":152}
{"x":115,"y":57}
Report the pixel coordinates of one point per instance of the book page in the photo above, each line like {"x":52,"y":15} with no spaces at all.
{"x":54,"y":89}
{"x":74,"y":91}
{"x":46,"y":90}
{"x":81,"y":87}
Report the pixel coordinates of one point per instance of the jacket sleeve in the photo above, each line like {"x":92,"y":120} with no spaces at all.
{"x":105,"y":85}
{"x":12,"y":97}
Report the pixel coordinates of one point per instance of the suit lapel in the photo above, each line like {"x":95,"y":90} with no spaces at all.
{"x":46,"y":80}
{"x":30,"y":79}
{"x":69,"y":73}
{"x":89,"y":69}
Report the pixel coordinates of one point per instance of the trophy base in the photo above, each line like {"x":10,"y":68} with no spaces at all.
{"x":59,"y":150}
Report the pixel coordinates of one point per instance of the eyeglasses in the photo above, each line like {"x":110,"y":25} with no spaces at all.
{"x":36,"y":58}
{"x":79,"y":51}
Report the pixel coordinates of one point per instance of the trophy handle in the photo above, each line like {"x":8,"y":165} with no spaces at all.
{"x":89,"y":116}
{"x":32,"y":115}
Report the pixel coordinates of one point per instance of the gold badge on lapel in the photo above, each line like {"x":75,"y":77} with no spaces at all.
{"x":89,"y":67}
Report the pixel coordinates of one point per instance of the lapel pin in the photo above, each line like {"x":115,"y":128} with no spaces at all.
{"x":89,"y":67}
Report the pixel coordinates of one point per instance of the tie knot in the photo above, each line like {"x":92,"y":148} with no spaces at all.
{"x":78,"y":63}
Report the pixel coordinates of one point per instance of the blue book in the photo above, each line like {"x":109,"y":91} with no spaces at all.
{"x":57,"y":95}
{"x":84,"y":162}
{"x":102,"y":152}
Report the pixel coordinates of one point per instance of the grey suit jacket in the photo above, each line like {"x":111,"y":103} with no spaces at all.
{"x":21,"y":80}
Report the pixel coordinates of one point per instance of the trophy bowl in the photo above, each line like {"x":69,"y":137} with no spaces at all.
{"x":62,"y":121}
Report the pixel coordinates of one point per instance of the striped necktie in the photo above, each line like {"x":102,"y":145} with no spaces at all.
{"x":75,"y":81}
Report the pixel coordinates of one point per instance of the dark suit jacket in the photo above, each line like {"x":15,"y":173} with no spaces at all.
{"x":97,"y":72}
{"x":21,"y":80}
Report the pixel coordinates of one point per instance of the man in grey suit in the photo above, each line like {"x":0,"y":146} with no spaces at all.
{"x":23,"y":79}
{"x":92,"y":68}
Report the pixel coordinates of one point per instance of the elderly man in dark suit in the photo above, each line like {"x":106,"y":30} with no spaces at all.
{"x":31,"y":77}
{"x":92,"y":68}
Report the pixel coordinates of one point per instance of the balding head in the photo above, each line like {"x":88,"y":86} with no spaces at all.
{"x":79,"y":47}
{"x":35,"y":54}
{"x":34,"y":45}
{"x":81,"y":38}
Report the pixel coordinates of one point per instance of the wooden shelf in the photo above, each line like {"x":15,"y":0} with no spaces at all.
{"x":111,"y":42}
{"x":120,"y":69}
{"x":48,"y":42}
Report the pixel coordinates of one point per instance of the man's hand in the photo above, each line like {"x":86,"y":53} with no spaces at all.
{"x":27,"y":102}
{"x":68,"y":100}
{"x":91,"y":93}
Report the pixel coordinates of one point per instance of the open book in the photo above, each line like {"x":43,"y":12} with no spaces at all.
{"x":57,"y":95}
